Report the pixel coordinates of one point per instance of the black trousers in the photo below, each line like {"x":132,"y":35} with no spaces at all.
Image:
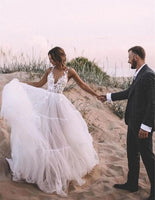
{"x":135,"y":148}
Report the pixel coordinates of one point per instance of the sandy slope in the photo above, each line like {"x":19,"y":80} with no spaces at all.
{"x":109,"y":133}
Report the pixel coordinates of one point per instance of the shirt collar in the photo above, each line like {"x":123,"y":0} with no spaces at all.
{"x":136,"y":72}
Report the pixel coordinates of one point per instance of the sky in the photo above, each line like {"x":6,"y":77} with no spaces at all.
{"x":101,"y":30}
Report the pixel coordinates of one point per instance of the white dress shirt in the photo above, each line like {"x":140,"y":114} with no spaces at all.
{"x":108,"y":95}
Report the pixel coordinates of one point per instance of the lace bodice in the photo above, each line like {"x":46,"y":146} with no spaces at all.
{"x":59,"y":86}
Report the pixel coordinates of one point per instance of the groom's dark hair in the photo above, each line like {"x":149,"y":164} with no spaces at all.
{"x":139,"y":51}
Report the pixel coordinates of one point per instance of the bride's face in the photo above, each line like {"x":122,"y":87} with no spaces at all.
{"x":51,"y":60}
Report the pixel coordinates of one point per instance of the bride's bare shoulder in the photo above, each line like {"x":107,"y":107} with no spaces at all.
{"x":71,"y":73}
{"x":71,"y":70}
{"x":48,"y":70}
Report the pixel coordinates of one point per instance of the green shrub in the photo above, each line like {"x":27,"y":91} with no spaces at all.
{"x":89,"y":71}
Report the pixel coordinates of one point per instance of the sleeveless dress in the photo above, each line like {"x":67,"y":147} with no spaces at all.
{"x":50,"y":142}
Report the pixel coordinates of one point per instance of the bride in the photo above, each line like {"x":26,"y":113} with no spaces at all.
{"x":50,"y":142}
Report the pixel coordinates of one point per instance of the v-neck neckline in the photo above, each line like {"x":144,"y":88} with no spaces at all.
{"x":51,"y":72}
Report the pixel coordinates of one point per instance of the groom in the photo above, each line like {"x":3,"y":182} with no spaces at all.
{"x":139,"y":117}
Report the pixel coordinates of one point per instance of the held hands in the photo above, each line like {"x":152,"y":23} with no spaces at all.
{"x":102,"y":98}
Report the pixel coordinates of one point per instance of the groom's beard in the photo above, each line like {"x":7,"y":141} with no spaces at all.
{"x":134,"y":64}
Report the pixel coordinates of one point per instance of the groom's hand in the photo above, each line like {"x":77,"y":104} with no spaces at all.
{"x":143,"y":134}
{"x":102,"y":98}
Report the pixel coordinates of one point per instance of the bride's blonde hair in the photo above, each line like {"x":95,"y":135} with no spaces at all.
{"x":58,"y":55}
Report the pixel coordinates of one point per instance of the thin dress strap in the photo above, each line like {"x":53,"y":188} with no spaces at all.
{"x":67,"y":69}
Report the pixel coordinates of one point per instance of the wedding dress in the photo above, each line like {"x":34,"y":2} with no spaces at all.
{"x":50,"y":142}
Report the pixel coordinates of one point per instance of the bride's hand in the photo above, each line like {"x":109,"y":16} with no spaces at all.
{"x":102,"y":98}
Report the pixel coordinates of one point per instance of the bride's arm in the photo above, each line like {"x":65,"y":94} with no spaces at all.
{"x":41,"y":82}
{"x":73,"y":74}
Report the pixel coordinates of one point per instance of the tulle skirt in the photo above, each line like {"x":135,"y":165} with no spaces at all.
{"x":50,"y":142}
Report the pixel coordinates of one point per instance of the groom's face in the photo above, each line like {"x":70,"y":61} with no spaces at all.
{"x":132,"y":60}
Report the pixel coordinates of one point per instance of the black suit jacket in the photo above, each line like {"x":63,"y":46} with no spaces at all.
{"x":141,"y":99}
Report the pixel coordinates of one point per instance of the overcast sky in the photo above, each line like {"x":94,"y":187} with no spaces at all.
{"x":103,"y":30}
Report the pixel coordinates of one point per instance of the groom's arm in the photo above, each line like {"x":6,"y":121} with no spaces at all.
{"x":118,"y":95}
{"x":149,"y":115}
{"x":149,"y":92}
{"x":115,"y":96}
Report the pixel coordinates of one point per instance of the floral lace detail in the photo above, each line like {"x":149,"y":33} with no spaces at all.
{"x":59,"y":86}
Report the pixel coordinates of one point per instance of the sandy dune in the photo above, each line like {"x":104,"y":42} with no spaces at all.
{"x":109,"y":133}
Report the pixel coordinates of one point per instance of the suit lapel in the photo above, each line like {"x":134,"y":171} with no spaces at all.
{"x":137,"y":79}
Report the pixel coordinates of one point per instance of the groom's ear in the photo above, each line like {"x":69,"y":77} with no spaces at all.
{"x":136,"y":57}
